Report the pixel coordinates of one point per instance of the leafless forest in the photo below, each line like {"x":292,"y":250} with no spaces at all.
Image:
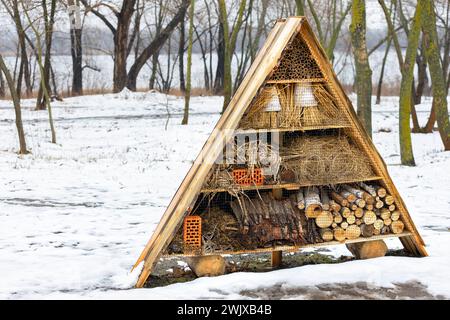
{"x":154,"y":44}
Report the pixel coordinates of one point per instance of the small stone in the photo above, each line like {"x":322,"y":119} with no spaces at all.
{"x":207,"y":266}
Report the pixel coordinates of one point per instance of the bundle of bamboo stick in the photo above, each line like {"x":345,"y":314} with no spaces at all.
{"x":350,"y":211}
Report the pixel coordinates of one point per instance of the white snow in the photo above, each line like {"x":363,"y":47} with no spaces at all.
{"x":75,"y":216}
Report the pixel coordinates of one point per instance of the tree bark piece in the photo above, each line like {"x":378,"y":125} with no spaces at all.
{"x":368,"y":249}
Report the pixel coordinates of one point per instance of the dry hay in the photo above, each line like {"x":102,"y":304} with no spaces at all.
{"x":221,"y":232}
{"x":294,"y":113}
{"x":325,"y":159}
{"x":252,"y":154}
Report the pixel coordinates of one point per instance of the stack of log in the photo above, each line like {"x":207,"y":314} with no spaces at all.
{"x":350,"y":211}
{"x":268,"y":220}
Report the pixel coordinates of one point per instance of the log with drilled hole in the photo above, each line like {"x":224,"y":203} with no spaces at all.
{"x":313,"y":206}
{"x":378,"y":224}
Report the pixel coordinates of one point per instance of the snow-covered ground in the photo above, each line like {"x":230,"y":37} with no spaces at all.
{"x":75,"y":216}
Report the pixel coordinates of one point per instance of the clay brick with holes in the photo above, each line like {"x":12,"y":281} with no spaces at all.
{"x":192,"y":234}
{"x":246,"y":177}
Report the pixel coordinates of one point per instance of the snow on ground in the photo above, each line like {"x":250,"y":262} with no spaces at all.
{"x":75,"y":216}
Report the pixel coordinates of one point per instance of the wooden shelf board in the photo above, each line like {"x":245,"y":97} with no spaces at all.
{"x":289,"y":186}
{"x":297,"y":80}
{"x":309,"y":128}
{"x":297,"y":248}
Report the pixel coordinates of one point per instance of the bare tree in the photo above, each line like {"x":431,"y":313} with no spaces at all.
{"x":187,"y":95}
{"x":16,"y":102}
{"x":363,"y":81}
{"x":76,"y":46}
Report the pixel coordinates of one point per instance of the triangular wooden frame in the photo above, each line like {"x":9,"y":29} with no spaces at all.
{"x":267,"y":59}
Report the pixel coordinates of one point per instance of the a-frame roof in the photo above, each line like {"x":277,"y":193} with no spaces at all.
{"x":265,"y":62}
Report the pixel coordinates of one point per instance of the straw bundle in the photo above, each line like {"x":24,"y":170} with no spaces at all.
{"x":325,"y":159}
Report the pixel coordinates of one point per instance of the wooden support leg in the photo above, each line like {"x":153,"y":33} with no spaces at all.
{"x":368,"y":249}
{"x":277,"y":257}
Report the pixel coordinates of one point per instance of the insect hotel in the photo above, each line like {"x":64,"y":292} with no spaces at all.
{"x":288,"y":166}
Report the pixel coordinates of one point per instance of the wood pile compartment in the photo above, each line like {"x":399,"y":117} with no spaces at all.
{"x":255,"y":220}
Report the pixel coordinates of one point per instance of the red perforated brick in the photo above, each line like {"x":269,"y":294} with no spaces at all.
{"x":192,"y":233}
{"x":246,"y":177}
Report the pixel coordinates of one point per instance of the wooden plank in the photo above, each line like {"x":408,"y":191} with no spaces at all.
{"x":309,"y":128}
{"x":276,"y":259}
{"x":316,"y":80}
{"x":401,"y":236}
{"x":290,"y":186}
{"x":255,"y":77}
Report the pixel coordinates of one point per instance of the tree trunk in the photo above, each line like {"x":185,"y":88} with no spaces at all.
{"x":181,"y":57}
{"x":407,"y":157}
{"x":24,"y":66}
{"x":300,"y":7}
{"x":76,"y":47}
{"x":16,"y":103}
{"x":155,"y":45}
{"x":187,"y":95}
{"x":220,"y":71}
{"x":362,"y":67}
{"x":438,"y":81}
{"x":230,"y":44}
{"x":383,"y":65}
{"x":49,"y":19}
{"x":121,"y":45}
{"x":2,"y":86}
